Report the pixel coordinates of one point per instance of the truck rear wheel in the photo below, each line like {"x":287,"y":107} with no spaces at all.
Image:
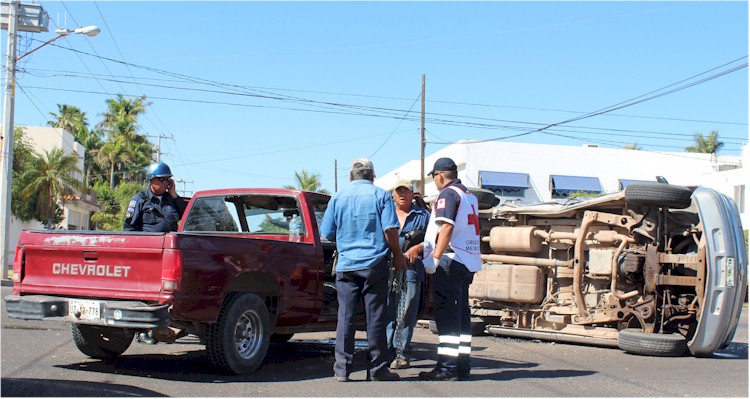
{"x":101,"y":342}
{"x":633,"y":340}
{"x":238,"y":341}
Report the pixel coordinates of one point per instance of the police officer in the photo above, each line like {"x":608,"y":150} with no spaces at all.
{"x":451,"y":254}
{"x":157,"y":208}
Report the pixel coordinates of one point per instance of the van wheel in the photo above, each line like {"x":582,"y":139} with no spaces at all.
{"x":101,"y":342}
{"x":660,"y":194}
{"x":635,"y":341}
{"x":238,"y":341}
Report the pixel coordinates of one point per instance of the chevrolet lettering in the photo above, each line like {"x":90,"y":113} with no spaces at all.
{"x":77,"y":269}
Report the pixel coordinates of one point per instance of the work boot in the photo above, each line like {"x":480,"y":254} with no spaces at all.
{"x":438,"y":375}
{"x":386,"y":376}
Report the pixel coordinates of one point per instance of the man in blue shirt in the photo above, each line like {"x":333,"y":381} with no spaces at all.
{"x":403,"y":304}
{"x":362,"y":220}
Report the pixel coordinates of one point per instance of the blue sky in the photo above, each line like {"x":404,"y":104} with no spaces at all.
{"x":250,"y":92}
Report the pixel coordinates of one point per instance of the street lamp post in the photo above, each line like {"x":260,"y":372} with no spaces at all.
{"x":6,"y":157}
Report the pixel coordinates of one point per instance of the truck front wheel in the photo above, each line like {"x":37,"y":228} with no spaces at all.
{"x":101,"y":342}
{"x":238,"y":341}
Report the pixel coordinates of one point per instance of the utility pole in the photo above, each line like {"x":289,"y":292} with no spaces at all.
{"x":158,"y":146}
{"x":335,"y":175}
{"x":421,"y":174}
{"x":6,"y":164}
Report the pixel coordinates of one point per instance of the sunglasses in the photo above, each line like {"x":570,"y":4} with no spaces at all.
{"x":162,"y":179}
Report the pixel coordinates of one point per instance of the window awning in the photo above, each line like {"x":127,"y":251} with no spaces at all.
{"x":505,"y":181}
{"x":624,"y":182}
{"x":565,"y":185}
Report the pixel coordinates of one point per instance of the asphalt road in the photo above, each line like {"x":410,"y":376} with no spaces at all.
{"x":40,"y":359}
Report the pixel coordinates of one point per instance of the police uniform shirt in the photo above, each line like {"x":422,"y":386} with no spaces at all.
{"x":152,"y":213}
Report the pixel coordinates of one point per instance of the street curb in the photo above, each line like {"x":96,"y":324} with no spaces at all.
{"x":6,"y":282}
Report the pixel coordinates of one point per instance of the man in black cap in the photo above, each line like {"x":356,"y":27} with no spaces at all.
{"x":451,"y":253}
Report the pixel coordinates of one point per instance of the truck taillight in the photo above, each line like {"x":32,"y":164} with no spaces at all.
{"x":18,"y":265}
{"x":171,"y":270}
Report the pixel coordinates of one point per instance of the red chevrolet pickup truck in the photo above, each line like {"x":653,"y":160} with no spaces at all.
{"x":232,"y":275}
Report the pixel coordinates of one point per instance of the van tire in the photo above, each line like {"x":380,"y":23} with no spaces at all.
{"x":101,"y":342}
{"x":485,"y":198}
{"x":238,"y":341}
{"x":660,"y":194}
{"x":637,"y":342}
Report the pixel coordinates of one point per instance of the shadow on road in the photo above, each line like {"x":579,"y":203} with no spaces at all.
{"x":296,"y":360}
{"x":27,"y":387}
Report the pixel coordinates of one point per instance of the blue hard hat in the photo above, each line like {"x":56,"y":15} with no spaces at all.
{"x":158,"y":169}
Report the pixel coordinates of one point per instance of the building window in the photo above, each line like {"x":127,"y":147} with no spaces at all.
{"x":563,"y":186}
{"x":739,"y":197}
{"x":504,"y":183}
{"x":625,"y":182}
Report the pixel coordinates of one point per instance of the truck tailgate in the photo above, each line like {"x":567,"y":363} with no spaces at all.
{"x":90,"y":264}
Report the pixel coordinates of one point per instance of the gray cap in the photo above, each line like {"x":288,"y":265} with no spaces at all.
{"x":360,"y":164}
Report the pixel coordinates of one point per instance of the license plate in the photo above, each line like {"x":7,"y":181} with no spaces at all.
{"x":84,"y":310}
{"x":729,"y":271}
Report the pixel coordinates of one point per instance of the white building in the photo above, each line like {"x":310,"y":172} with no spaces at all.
{"x":532,"y":173}
{"x":77,"y":210}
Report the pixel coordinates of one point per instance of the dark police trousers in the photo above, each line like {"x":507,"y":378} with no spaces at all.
{"x":372,"y":286}
{"x":450,"y":286}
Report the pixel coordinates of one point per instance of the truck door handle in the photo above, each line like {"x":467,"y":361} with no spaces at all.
{"x":90,"y":255}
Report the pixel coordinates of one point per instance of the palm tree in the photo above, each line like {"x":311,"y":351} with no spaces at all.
{"x":71,"y":119}
{"x":706,"y":145}
{"x":125,"y":150}
{"x":121,"y":117}
{"x":308,"y":182}
{"x":50,"y":182}
{"x":74,"y":121}
{"x":114,"y":153}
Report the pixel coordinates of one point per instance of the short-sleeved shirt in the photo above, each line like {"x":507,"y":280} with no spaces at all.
{"x":446,"y":203}
{"x":417,"y":219}
{"x":357,"y":217}
{"x":153,"y":213}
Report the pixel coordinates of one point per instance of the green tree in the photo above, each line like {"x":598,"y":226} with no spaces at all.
{"x":114,"y":204}
{"x":74,"y":121}
{"x":23,"y":158}
{"x":707,"y":145}
{"x":307,"y":181}
{"x":71,"y":119}
{"x":114,"y":154}
{"x":128,"y":152}
{"x":51,"y":179}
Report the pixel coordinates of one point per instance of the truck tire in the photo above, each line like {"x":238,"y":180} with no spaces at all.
{"x":633,"y":340}
{"x":238,"y":341}
{"x":101,"y":342}
{"x":652,"y":193}
{"x":281,"y":338}
{"x":485,"y":198}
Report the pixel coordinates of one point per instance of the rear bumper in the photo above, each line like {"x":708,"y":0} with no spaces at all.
{"x":123,"y":314}
{"x":726,"y":273}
